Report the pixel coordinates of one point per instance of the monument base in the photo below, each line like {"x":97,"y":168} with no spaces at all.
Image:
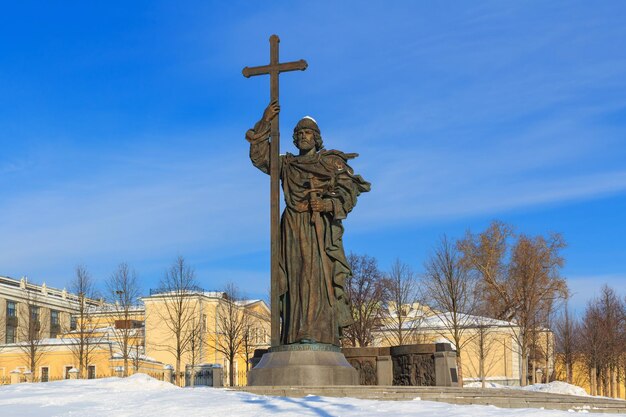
{"x":303,"y":365}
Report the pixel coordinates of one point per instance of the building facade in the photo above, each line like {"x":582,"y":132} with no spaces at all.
{"x":489,"y":347}
{"x":42,"y":334}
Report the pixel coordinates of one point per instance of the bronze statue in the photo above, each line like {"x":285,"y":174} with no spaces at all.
{"x":320,"y":189}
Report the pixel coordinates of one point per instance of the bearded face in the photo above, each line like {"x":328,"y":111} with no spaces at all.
{"x":305,"y":133}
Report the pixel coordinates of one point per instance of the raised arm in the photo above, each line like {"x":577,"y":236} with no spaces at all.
{"x":258,"y":137}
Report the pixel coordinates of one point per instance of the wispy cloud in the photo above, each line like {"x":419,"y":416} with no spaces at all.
{"x":473,"y":110}
{"x":195,"y":201}
{"x":584,"y":288}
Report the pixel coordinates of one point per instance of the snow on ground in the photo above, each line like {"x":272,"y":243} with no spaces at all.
{"x":558,"y":387}
{"x":142,"y":396}
{"x":555,"y":387}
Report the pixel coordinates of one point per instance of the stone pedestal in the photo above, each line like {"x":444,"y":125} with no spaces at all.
{"x":384,"y":370}
{"x":303,"y":365}
{"x":218,"y":377}
{"x":446,"y":370}
{"x":168,"y":374}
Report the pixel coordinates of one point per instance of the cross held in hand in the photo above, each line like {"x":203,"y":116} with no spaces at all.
{"x":274,"y":69}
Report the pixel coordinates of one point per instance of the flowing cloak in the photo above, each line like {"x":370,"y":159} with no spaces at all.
{"x":312,"y":266}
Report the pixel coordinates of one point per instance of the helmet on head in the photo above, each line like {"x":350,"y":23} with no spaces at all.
{"x":307,"y":122}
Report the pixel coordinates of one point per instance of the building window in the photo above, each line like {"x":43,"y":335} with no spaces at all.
{"x":72,"y":323}
{"x":54,"y":318}
{"x":11,"y":309}
{"x":11,"y":322}
{"x":44,"y":374}
{"x":67,"y":372}
{"x":34,"y":314}
{"x":10,"y":334}
{"x":55,"y":324}
{"x":91,"y":372}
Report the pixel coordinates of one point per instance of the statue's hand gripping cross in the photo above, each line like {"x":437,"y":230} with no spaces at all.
{"x":274,"y":69}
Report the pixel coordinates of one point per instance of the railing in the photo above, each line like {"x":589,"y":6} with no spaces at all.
{"x":49,"y":379}
{"x":156,"y":375}
{"x":6,"y":380}
{"x":240,"y":380}
{"x":156,"y":291}
{"x":190,"y":290}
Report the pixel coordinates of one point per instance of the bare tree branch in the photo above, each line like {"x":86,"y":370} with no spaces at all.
{"x":83,"y":336}
{"x":448,"y":289}
{"x":123,"y":294}
{"x":232,"y":323}
{"x":178,"y":311}
{"x":32,"y":329}
{"x":402,"y":315}
{"x":367,"y":291}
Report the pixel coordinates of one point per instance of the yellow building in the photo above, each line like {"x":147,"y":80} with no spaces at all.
{"x":581,"y":377}
{"x":202,"y":327}
{"x":41,"y":331}
{"x":485,"y":343}
{"x":51,"y":307}
{"x":38,"y":328}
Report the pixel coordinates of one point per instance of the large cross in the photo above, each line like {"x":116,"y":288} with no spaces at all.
{"x":274,"y":69}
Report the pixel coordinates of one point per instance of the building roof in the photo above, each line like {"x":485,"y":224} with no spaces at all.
{"x":12,"y":287}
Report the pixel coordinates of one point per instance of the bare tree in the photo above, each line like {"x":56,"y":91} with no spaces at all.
{"x":401,"y":322}
{"x":367,"y":291}
{"x":179,"y":308}
{"x":122,"y":293}
{"x":541,"y":348}
{"x":197,"y":328}
{"x":591,"y":343}
{"x":448,"y":289}
{"x":32,"y":329}
{"x":536,"y":284}
{"x":85,"y":337}
{"x":522,"y":290}
{"x":565,"y":329}
{"x":138,"y":349}
{"x":249,"y":337}
{"x":611,"y":323}
{"x":253,"y":335}
{"x":482,"y":344}
{"x":487,"y":254}
{"x":621,"y":367}
{"x":231,"y":325}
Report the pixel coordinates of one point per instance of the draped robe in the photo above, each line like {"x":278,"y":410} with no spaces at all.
{"x":312,"y":266}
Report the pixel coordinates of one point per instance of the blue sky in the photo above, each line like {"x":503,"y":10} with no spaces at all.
{"x":122,"y":129}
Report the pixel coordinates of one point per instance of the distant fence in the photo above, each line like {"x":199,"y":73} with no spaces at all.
{"x":38,"y":379}
{"x":6,"y":380}
{"x":155,"y":375}
{"x":240,"y":379}
{"x":192,"y":289}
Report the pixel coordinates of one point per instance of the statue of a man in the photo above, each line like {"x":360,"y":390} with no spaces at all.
{"x":320,"y":190}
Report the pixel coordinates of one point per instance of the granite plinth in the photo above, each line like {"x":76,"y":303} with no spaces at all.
{"x":298,"y":367}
